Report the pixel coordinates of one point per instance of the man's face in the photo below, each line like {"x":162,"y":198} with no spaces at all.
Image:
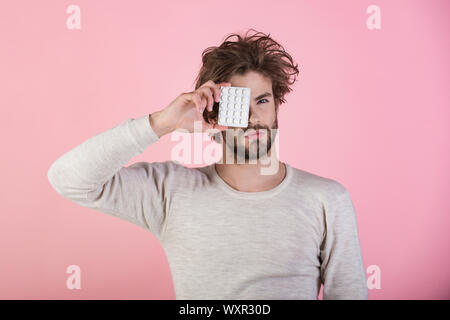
{"x":256,"y":139}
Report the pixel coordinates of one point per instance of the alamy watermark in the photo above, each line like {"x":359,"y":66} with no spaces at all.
{"x":74,"y":280}
{"x":240,"y":147}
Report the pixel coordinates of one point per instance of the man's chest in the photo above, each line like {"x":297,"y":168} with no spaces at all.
{"x":248,"y":233}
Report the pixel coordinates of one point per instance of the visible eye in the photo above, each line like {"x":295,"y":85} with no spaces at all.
{"x":263,"y":99}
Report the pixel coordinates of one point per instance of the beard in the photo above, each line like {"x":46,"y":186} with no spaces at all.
{"x":246,"y":149}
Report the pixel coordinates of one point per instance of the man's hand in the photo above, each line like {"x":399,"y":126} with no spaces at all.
{"x":187,"y":108}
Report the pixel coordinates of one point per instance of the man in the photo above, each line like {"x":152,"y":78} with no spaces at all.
{"x":229,"y":231}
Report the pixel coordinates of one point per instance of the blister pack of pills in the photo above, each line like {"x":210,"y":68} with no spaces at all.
{"x":234,"y":106}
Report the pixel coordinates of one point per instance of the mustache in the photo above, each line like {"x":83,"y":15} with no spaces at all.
{"x":256,"y":127}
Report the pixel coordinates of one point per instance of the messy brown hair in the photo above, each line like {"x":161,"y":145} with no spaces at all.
{"x":251,"y":52}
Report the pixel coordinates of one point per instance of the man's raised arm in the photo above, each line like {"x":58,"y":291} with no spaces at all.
{"x":93,"y":174}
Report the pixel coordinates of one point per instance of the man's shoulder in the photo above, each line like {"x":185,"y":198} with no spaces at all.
{"x":316,"y":183}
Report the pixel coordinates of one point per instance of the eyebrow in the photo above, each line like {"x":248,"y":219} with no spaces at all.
{"x":266,"y":94}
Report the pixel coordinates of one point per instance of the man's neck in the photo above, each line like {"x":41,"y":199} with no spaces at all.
{"x":248,"y":177}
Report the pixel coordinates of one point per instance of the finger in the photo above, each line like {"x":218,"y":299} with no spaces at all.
{"x":204,"y":102}
{"x":196,"y":98}
{"x":207,"y":83}
{"x":207,"y":92}
{"x":201,"y":101}
{"x":211,"y":98}
{"x":216,"y":91}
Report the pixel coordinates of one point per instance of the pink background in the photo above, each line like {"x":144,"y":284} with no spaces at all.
{"x":371,"y":110}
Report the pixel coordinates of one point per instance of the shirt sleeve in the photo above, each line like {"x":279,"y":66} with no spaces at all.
{"x":342,"y":269}
{"x":93,"y":175}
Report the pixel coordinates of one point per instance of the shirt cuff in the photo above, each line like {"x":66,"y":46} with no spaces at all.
{"x":143,"y":132}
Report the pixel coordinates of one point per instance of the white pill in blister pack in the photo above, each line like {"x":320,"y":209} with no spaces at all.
{"x":234,"y":105}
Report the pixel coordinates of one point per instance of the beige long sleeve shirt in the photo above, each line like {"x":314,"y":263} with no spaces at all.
{"x":221,"y":243}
